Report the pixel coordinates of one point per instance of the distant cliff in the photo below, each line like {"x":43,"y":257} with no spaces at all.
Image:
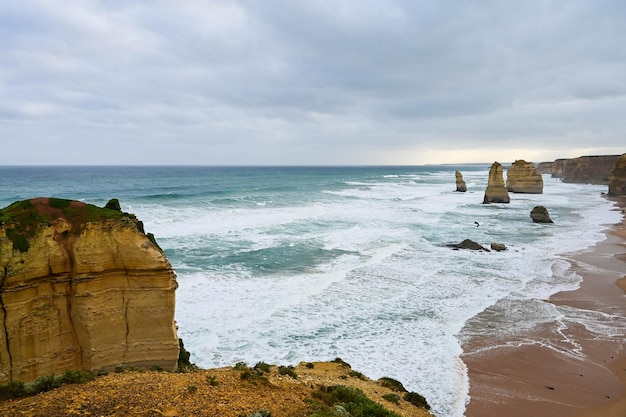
{"x":584,"y":169}
{"x":81,"y":287}
{"x":617,"y":178}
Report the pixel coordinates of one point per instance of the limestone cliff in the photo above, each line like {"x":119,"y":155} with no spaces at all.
{"x":545,"y":167}
{"x":496,"y":191}
{"x":523,"y":177}
{"x":617,"y":177}
{"x":460,"y":183}
{"x":585,"y":169}
{"x":81,"y":287}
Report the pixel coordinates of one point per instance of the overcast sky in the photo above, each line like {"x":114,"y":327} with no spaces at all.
{"x":310,"y":82}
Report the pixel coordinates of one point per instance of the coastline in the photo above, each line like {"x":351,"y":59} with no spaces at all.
{"x":522,"y":379}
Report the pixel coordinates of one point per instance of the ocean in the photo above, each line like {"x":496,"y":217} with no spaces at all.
{"x":292,"y":264}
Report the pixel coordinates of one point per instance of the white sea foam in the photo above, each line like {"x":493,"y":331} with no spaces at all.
{"x":382,"y":291}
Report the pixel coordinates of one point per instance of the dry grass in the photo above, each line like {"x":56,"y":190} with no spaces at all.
{"x":215,"y":392}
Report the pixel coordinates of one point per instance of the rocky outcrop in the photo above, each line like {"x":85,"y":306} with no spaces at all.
{"x":617,"y":177}
{"x":540,"y":214}
{"x":460,"y":183}
{"x":496,"y":191}
{"x":498,"y":247}
{"x":585,"y":169}
{"x":523,"y":177}
{"x":468,"y":244}
{"x":81,"y":287}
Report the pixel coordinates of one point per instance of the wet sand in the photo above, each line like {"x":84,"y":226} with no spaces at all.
{"x":542,"y":379}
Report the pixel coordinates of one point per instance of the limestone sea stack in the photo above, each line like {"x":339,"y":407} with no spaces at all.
{"x":617,"y":177}
{"x":460,"y":183}
{"x":496,"y":191}
{"x":81,"y":287}
{"x":523,"y":177}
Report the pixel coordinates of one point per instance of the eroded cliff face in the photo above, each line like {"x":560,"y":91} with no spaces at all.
{"x":496,"y":191}
{"x":523,"y":177}
{"x":617,"y":177}
{"x":81,"y":288}
{"x":585,"y":169}
{"x":461,"y":187}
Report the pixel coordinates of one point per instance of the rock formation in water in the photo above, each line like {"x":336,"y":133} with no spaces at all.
{"x":460,"y":184}
{"x":81,"y":287}
{"x":498,"y":247}
{"x":496,"y":191}
{"x":540,"y":214}
{"x":617,"y":177}
{"x":585,"y":169}
{"x":523,"y":177}
{"x":468,"y":244}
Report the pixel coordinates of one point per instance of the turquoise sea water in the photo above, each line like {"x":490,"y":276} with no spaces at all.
{"x":290,"y":264}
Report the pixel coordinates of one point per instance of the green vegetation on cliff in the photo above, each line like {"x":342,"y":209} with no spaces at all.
{"x":23,"y":218}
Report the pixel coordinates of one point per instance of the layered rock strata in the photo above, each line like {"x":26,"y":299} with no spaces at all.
{"x":81,"y":287}
{"x":496,"y":191}
{"x":585,"y":169}
{"x":523,"y":177}
{"x":460,"y":183}
{"x":617,"y":177}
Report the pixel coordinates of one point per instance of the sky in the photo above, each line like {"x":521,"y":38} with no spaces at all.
{"x":306,"y":82}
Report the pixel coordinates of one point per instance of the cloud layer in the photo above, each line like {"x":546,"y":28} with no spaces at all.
{"x":310,"y":82}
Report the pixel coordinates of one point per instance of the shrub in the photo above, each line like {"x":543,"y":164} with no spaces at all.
{"x":392,"y":398}
{"x":341,"y":362}
{"x":212,"y":380}
{"x":287,"y":370}
{"x":352,"y":400}
{"x":191,"y":389}
{"x":76,"y":377}
{"x":357,"y":375}
{"x":392,"y":384}
{"x":417,"y":400}
{"x":240,"y":366}
{"x":310,"y":365}
{"x":262,"y":367}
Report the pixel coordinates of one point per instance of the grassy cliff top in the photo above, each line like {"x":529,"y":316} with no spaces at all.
{"x":47,"y":209}
{"x":23,"y":218}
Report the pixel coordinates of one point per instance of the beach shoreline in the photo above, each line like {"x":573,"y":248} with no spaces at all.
{"x":542,"y":378}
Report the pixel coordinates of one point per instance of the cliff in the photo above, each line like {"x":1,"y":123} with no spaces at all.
{"x":617,"y":177}
{"x":585,"y":169}
{"x":523,"y":177}
{"x":496,"y":191}
{"x":81,"y":287}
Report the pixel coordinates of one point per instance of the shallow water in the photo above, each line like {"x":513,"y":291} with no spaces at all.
{"x":302,"y":264}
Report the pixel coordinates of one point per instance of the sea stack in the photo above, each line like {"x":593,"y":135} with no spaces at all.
{"x":460,"y":184}
{"x":540,"y":214}
{"x":617,"y":177}
{"x":82,"y":287}
{"x":496,"y":191}
{"x":523,"y":177}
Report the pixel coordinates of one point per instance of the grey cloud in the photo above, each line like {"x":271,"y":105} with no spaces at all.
{"x":225,"y":82}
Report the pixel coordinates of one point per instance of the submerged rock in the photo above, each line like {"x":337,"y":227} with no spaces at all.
{"x":523,"y":177}
{"x":540,"y":214}
{"x":498,"y":247}
{"x":81,"y":288}
{"x":496,"y":191}
{"x":460,"y":183}
{"x":468,"y":244}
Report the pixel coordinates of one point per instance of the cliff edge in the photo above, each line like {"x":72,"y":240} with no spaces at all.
{"x":81,"y":287}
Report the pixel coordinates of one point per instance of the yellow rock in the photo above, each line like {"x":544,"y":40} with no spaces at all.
{"x":85,"y":292}
{"x":523,"y":177}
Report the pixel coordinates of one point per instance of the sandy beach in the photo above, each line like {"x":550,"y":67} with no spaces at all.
{"x":544,"y":378}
